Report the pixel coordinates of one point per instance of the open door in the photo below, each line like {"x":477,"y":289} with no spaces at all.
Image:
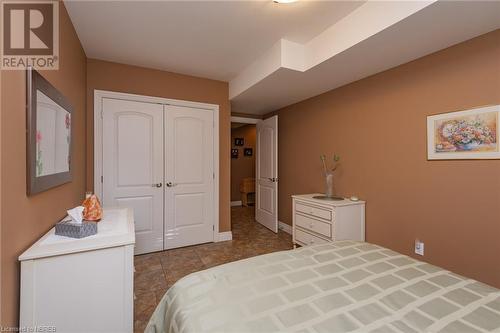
{"x":266,"y":180}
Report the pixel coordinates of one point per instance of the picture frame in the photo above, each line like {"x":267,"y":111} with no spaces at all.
{"x":462,"y":135}
{"x":234,"y":153}
{"x":49,"y":127}
{"x":248,"y":152}
{"x":239,"y":141}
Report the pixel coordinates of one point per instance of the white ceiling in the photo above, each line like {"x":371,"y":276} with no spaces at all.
{"x":274,"y":55}
{"x":211,"y":39}
{"x":433,"y":28}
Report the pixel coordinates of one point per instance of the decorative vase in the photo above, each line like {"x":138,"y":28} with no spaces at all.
{"x":469,"y":146}
{"x":329,"y":184}
{"x":92,"y":209}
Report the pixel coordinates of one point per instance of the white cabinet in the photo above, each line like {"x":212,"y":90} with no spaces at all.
{"x":81,"y":285}
{"x":317,"y":221}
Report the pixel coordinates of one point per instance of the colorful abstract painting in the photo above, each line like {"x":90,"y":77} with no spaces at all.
{"x":471,"y":134}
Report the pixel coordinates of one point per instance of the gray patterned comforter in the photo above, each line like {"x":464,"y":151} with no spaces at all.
{"x":338,"y":287}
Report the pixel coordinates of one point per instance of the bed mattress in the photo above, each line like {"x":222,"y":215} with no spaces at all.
{"x":343,"y":286}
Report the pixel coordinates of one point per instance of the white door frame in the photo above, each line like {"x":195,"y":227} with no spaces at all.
{"x":98,"y":158}
{"x":245,"y":120}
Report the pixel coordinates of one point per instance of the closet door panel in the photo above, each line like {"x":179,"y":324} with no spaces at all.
{"x":133,"y":166}
{"x":189,"y":177}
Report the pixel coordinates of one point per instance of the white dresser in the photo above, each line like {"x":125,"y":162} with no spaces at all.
{"x":318,"y":221}
{"x":81,"y":285}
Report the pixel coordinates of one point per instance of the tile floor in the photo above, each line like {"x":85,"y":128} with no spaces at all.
{"x":156,"y":272}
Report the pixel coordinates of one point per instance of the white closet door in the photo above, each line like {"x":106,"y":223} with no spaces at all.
{"x":189,"y":176}
{"x":266,"y":207}
{"x":133,"y":166}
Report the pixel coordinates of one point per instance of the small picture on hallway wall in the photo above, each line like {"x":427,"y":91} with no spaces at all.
{"x":470,"y":134}
{"x":239,"y":141}
{"x":248,"y":152}
{"x":234,"y":153}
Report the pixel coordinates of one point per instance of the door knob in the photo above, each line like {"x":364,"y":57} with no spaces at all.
{"x":170,"y":184}
{"x":156,"y":185}
{"x":274,"y":180}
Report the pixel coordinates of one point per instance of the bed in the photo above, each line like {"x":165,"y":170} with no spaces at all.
{"x":344,"y":286}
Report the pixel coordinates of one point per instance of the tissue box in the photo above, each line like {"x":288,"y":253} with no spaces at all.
{"x":71,"y":229}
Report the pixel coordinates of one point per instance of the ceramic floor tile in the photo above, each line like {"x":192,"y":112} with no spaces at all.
{"x":156,"y":272}
{"x":146,"y":282}
{"x":144,"y":307}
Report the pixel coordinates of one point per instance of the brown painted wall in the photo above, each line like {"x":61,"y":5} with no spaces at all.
{"x":25,"y":219}
{"x":378,"y":126}
{"x":243,"y":166}
{"x":111,"y":76}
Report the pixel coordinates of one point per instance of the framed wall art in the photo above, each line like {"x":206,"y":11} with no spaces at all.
{"x":470,"y":134}
{"x":48,"y":130}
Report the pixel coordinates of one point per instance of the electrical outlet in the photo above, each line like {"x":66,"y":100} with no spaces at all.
{"x":419,"y":247}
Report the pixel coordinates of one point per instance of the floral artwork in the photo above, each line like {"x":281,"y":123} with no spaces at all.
{"x":471,"y":134}
{"x":39,"y":162}
{"x":67,"y":123}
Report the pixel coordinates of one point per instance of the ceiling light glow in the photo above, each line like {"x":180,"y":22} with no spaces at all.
{"x":284,"y":1}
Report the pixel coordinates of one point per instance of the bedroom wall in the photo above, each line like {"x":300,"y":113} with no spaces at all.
{"x":243,"y":166}
{"x":25,"y":219}
{"x":111,"y":76}
{"x":378,"y":127}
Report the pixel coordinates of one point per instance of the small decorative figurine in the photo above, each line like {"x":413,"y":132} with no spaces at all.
{"x":92,"y":208}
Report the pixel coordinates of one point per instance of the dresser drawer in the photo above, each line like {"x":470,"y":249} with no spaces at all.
{"x":317,"y":226}
{"x":314,"y":211}
{"x":307,"y":238}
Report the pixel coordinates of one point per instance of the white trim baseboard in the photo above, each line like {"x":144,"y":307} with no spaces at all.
{"x":224,"y":236}
{"x":285,"y":227}
{"x":236,"y":203}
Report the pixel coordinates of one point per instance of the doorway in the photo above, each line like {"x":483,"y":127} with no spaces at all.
{"x":254,"y":168}
{"x":243,"y":142}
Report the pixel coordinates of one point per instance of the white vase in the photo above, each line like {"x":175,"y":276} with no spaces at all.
{"x":329,"y":184}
